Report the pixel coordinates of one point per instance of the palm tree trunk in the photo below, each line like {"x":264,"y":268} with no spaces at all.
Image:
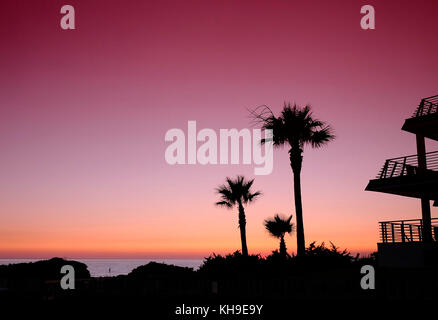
{"x":296,"y":160}
{"x":242,"y":227}
{"x":283,"y":251}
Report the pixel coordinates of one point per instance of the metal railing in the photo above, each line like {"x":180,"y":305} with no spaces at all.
{"x":407,"y":166}
{"x":405,"y":230}
{"x":427,"y":106}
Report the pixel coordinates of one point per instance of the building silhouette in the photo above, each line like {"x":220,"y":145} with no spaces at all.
{"x":412,"y":243}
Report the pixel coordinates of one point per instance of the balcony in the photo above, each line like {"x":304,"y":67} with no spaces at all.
{"x":407,"y":166}
{"x":401,"y":244}
{"x":402,"y":176}
{"x":427,"y":106}
{"x":400,"y":231}
{"x":424,"y":121}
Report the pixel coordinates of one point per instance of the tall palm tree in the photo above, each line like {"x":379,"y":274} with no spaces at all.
{"x":278,"y":227}
{"x":238,"y":192}
{"x":296,"y":127}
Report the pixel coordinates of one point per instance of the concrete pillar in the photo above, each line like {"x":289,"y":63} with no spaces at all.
{"x":425,"y":202}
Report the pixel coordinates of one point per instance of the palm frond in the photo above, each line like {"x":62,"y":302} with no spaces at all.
{"x":224,"y":204}
{"x":252,"y":196}
{"x":295,"y":126}
{"x":278,"y":226}
{"x":236,"y":190}
{"x":321,"y":137}
{"x":260,"y":115}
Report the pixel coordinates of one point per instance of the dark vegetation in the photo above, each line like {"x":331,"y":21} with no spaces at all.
{"x":318,"y":257}
{"x":42,"y":270}
{"x":324,"y":275}
{"x":234,"y":275}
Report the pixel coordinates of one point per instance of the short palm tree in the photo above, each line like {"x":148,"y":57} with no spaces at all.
{"x":296,"y":127}
{"x":237,"y":192}
{"x":278,"y":227}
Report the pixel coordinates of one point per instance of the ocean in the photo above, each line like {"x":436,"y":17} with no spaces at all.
{"x":115,"y":267}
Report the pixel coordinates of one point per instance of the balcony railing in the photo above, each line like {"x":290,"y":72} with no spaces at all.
{"x":427,"y":106}
{"x":407,"y":166}
{"x":405,"y":230}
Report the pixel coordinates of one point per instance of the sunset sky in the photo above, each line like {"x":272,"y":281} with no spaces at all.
{"x":84,"y":112}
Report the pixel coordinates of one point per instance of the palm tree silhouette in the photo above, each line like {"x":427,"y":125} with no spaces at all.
{"x":278,"y":227}
{"x":238,"y":192}
{"x":296,"y":127}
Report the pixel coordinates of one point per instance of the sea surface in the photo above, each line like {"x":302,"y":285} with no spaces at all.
{"x":115,"y":267}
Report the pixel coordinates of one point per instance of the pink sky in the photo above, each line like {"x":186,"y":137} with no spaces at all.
{"x":83,"y":114}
